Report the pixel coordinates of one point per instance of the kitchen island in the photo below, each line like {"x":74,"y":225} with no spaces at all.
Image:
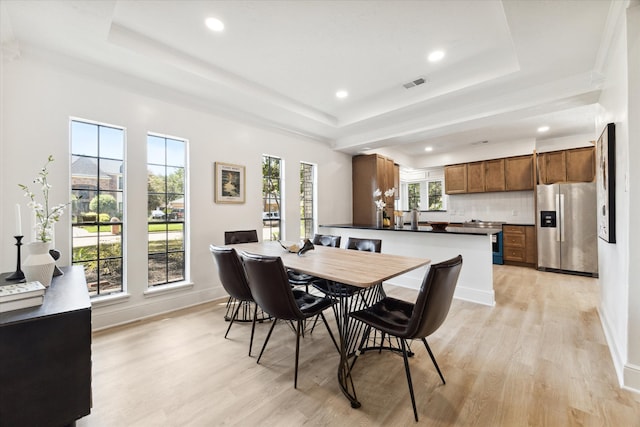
{"x":475,"y":283}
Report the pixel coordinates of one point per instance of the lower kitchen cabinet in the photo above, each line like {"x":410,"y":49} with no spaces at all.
{"x":519,"y":243}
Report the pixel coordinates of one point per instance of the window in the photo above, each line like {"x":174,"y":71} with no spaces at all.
{"x":97,"y":204}
{"x":271,"y":198}
{"x":307,"y":200}
{"x":166,"y":183}
{"x":434,"y":193}
{"x":414,"y":195}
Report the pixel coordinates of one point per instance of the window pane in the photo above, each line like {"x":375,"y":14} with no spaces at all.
{"x":175,"y":180}
{"x":157,"y":238}
{"x":175,"y":152}
{"x":110,"y":171}
{"x":85,"y":244}
{"x":156,"y":153}
{"x":175,"y":237}
{"x":111,"y":143}
{"x":110,"y":276}
{"x":176,"y":266}
{"x":84,"y":139}
{"x":110,"y":245}
{"x":157,"y":269}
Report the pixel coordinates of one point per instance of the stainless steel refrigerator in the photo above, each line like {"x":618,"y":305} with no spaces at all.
{"x":567,"y":230}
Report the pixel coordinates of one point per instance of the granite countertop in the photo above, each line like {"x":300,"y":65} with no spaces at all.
{"x":423,"y":229}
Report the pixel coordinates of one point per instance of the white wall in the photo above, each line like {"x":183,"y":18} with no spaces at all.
{"x":40,"y":94}
{"x":620,"y":279}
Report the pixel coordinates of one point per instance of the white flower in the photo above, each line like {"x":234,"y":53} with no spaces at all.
{"x":379,"y":203}
{"x":45,"y":217}
{"x":377,"y":193}
{"x":390,"y":192}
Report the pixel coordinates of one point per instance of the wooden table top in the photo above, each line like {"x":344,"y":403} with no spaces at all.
{"x":357,"y":268}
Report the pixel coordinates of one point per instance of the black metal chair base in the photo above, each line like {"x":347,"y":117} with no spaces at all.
{"x":245,"y":312}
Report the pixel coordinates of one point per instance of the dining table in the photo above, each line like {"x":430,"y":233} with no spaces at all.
{"x":364,"y":271}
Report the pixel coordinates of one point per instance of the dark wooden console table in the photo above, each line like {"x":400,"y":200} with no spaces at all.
{"x":45,"y":356}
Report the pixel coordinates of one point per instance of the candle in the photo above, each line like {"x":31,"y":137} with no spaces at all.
{"x":18,"y":221}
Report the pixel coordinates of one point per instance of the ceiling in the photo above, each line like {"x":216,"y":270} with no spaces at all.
{"x":509,"y":66}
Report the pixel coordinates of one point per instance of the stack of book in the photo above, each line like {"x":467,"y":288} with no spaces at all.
{"x":21,"y":295}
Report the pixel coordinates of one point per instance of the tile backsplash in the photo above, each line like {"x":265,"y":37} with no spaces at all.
{"x":515,"y":207}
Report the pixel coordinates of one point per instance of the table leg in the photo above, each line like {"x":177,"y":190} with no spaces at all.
{"x":350,"y":330}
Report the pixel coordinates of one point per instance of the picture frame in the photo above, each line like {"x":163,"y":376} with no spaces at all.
{"x":606,"y":183}
{"x":229,"y":183}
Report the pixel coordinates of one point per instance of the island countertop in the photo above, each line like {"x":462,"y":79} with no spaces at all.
{"x":423,"y":229}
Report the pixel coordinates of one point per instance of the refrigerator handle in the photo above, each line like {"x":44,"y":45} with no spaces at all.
{"x":559,"y":213}
{"x":562,"y":217}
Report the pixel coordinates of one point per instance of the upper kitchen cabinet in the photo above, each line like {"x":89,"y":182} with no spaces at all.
{"x":552,"y":167}
{"x":475,"y":177}
{"x":494,"y":175}
{"x":455,"y":179}
{"x":518,"y":172}
{"x":371,"y":172}
{"x":575,"y":165}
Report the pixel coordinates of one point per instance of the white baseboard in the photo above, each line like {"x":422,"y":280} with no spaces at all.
{"x":631,"y":376}
{"x":115,"y":315}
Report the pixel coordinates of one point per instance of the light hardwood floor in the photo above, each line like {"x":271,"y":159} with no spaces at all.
{"x":538,"y":358}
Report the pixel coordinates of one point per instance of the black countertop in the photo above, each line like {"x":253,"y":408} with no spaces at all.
{"x":423,"y":229}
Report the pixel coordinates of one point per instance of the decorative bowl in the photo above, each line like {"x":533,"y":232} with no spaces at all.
{"x":438,"y":225}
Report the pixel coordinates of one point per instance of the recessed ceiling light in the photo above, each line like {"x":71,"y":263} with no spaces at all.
{"x":543,"y":128}
{"x":342,"y":94}
{"x":428,"y":148}
{"x":436,"y":56}
{"x":214,"y":24}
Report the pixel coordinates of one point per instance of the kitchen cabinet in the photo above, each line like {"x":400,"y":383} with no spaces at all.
{"x":574,"y":165}
{"x":581,"y":164}
{"x":519,"y":244}
{"x":518,"y":172}
{"x":371,"y":172}
{"x":552,"y":167}
{"x":494,"y":175}
{"x":455,"y":179}
{"x":475,"y":177}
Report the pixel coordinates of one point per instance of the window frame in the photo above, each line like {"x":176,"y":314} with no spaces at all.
{"x":166,"y":220}
{"x":268,"y":200}
{"x":305,"y":230}
{"x":118,"y":227}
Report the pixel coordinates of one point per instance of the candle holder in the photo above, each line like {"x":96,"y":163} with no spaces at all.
{"x":18,"y":274}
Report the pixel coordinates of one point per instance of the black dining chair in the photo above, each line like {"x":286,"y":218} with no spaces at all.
{"x":297,"y":278}
{"x":271,"y":290}
{"x":341,"y":289}
{"x":407,"y":321}
{"x":234,"y":281}
{"x":240,"y":236}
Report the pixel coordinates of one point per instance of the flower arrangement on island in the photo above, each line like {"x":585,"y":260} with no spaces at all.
{"x":380,"y":202}
{"x":46,"y":216}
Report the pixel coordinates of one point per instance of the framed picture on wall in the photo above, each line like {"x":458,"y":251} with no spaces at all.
{"x":229,"y":183}
{"x":606,"y":181}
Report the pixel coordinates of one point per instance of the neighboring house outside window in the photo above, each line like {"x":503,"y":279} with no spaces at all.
{"x":307,"y":200}
{"x":271,"y":198}
{"x":166,"y":184}
{"x":97,"y":204}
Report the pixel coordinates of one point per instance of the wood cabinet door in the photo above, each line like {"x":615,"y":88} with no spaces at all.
{"x":518,"y":172}
{"x":531,"y":245}
{"x":475,"y":177}
{"x":494,"y":175}
{"x":581,"y":164}
{"x":455,"y":179}
{"x":552,"y":167}
{"x":364,"y":181}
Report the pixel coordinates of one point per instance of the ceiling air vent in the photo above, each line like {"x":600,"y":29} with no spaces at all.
{"x":414,"y":83}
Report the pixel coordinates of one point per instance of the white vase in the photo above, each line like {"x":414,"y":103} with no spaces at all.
{"x":39,"y":264}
